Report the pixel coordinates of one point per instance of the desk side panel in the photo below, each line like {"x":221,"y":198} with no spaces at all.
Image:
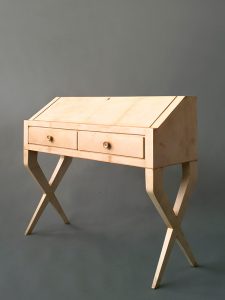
{"x":25,"y":133}
{"x":175,"y":141}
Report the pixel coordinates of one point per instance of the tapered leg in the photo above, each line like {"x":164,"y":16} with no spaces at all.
{"x":164,"y":256}
{"x":31,"y":162}
{"x":171,"y":216}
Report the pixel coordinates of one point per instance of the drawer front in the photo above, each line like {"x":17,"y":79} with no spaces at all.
{"x":55,"y":137}
{"x":111,"y":143}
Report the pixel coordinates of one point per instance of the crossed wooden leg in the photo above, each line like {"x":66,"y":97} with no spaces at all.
{"x":171,"y":216}
{"x":31,"y":162}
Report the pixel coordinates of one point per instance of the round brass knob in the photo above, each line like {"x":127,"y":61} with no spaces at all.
{"x":106,"y":145}
{"x":50,"y":138}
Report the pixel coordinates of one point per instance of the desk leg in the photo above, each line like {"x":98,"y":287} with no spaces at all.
{"x":31,"y":162}
{"x":172,"y":216}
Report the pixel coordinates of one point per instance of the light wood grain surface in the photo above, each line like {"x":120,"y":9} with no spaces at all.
{"x":120,"y":111}
{"x":147,"y":132}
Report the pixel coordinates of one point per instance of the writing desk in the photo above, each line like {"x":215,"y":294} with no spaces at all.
{"x":146,"y":132}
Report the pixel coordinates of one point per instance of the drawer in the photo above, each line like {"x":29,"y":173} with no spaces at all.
{"x":111,"y":143}
{"x":55,"y":137}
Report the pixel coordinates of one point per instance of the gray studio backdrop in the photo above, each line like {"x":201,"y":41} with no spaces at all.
{"x":100,"y":47}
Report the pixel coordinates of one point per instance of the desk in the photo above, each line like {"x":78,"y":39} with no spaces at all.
{"x":147,"y":132}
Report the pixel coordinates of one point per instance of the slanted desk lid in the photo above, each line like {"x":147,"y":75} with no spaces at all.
{"x":119,"y":111}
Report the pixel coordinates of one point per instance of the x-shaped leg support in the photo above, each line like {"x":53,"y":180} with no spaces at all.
{"x":171,"y":216}
{"x":31,"y":162}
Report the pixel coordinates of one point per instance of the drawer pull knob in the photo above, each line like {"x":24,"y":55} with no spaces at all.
{"x":106,"y":145}
{"x":50,"y":138}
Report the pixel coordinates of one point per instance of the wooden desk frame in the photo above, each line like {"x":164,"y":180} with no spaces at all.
{"x":153,"y":163}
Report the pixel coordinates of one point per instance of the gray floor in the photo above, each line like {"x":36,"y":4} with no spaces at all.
{"x":111,"y":248}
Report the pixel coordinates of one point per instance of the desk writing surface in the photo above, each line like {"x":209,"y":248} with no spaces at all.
{"x":119,"y":111}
